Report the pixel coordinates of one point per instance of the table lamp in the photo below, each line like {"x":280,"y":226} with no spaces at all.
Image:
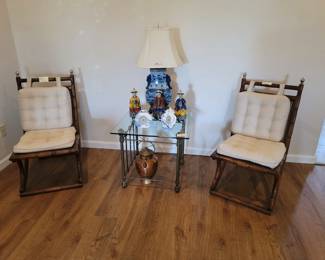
{"x":158,"y":54}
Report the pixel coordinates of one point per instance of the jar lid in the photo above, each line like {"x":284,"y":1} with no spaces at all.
{"x":146,"y":152}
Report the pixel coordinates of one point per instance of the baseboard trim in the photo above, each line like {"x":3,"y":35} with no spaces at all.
{"x":296,"y":158}
{"x":4,"y":162}
{"x":300,"y":158}
{"x":100,"y":144}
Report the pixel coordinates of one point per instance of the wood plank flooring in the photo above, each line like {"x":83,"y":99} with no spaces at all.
{"x":104,"y":221}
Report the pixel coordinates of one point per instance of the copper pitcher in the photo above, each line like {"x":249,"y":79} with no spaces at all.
{"x":146,"y":163}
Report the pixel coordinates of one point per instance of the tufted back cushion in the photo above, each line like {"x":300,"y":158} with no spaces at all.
{"x":261,"y":115}
{"x":45,"y":108}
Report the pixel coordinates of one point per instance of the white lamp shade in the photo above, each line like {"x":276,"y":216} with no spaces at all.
{"x":159,"y":50}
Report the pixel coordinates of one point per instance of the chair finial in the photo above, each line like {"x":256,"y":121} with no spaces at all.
{"x":302,"y":81}
{"x":17,"y":74}
{"x":71,"y":72}
{"x":244,"y":75}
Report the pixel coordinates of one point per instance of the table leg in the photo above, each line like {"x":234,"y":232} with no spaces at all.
{"x":124,"y":171}
{"x":179,"y":159}
{"x":137,"y":140}
{"x":182,"y":152}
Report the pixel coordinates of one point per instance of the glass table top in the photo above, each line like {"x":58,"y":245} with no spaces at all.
{"x":156,"y":129}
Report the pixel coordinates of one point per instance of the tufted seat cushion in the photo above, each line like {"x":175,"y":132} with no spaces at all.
{"x":260,"y":151}
{"x":44,"y":140}
{"x":261,"y":115}
{"x":45,"y":108}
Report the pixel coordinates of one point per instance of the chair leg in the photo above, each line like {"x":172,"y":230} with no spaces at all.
{"x":79,"y":168}
{"x":275,"y":190}
{"x":24,"y":176}
{"x":219,"y":171}
{"x":23,"y":170}
{"x":262,"y":206}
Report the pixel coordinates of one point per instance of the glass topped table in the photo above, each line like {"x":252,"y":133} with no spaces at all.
{"x":130,"y":136}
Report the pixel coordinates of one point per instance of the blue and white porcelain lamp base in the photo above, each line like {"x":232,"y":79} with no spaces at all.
{"x":158,"y":80}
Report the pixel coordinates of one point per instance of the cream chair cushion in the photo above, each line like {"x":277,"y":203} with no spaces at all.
{"x":260,"y":151}
{"x":45,"y":108}
{"x":44,"y":140}
{"x":261,"y":115}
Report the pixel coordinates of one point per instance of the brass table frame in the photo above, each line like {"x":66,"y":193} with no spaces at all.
{"x":129,"y":149}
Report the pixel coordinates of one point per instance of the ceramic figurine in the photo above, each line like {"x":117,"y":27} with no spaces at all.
{"x":159,"y":105}
{"x":143,"y":119}
{"x":180,"y":107}
{"x":168,"y":118}
{"x":134,"y":105}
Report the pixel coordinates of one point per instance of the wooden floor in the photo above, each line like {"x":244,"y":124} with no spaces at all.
{"x":104,"y":221}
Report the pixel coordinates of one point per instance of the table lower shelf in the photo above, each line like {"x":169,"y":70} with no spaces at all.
{"x":129,"y":148}
{"x":164,"y":178}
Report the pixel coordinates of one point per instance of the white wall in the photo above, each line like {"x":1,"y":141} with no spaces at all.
{"x":221,"y":39}
{"x":320,"y":152}
{"x":8,"y":89}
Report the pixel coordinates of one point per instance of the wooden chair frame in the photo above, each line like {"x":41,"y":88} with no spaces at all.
{"x":22,"y":159}
{"x":276,"y":172}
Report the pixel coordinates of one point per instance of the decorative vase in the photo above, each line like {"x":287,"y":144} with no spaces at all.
{"x":180,"y":107}
{"x":134,"y":104}
{"x":146,"y":163}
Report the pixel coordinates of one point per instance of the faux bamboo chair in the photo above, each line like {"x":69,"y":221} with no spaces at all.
{"x":49,"y":118}
{"x":260,"y":136}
